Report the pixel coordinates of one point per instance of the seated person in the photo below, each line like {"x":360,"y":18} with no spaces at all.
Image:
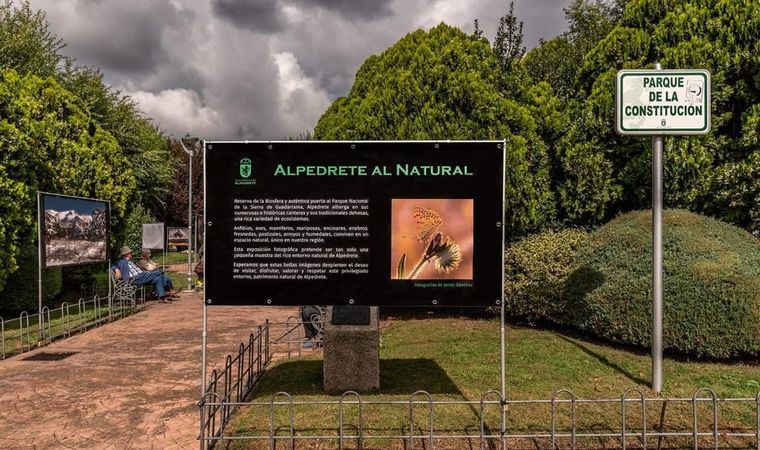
{"x":128,"y":271}
{"x":148,"y":265}
{"x":145,"y":263}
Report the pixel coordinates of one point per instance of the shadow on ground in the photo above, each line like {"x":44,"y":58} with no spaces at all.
{"x":397,"y":377}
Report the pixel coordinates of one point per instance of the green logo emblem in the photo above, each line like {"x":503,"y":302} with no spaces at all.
{"x":245,"y":168}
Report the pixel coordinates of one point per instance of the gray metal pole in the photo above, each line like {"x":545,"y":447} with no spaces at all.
{"x":40,"y":243}
{"x":110,"y":294}
{"x":657,"y":260}
{"x":203,"y":349}
{"x":190,"y":222}
{"x":503,"y":370}
{"x":502,"y":306}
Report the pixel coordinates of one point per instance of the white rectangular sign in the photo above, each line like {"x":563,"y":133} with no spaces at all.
{"x":656,"y":102}
{"x":153,"y":236}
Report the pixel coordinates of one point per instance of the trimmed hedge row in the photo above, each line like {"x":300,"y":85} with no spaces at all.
{"x":536,"y":270}
{"x":711,"y":284}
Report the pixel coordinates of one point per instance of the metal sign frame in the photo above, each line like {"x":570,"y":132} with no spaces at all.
{"x":657,"y":192}
{"x":502,"y":327}
{"x":478,"y":192}
{"x":42,"y":253}
{"x":707,"y":102}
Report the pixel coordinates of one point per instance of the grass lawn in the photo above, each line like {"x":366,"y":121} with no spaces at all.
{"x":179,"y":280}
{"x":171,"y":257}
{"x":14,"y":342}
{"x":458,"y":359}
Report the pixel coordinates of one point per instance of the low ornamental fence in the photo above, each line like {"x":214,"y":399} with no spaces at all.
{"x":703,"y":420}
{"x":30,"y":331}
{"x":232,"y":384}
{"x":705,"y":430}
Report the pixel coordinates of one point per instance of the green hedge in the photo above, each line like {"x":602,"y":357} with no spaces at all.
{"x":20,"y":293}
{"x":536,"y":269}
{"x":711,"y":285}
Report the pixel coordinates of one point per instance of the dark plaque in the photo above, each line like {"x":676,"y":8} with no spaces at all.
{"x":363,"y":223}
{"x":350,"y":315}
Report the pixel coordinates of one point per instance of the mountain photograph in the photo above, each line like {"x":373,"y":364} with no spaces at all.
{"x":75,"y":231}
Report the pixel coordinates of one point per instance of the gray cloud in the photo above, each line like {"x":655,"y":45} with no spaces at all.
{"x":263,"y":69}
{"x":256,"y":15}
{"x":354,"y":9}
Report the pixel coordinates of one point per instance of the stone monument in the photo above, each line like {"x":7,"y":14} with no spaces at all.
{"x":351,"y":349}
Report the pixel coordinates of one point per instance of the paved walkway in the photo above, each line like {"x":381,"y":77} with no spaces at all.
{"x":133,"y":383}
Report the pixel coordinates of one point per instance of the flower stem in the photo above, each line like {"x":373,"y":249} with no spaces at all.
{"x":420,"y":265}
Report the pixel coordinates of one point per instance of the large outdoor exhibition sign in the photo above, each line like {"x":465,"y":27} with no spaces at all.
{"x":659,"y":102}
{"x":74,"y":230}
{"x":363,"y":223}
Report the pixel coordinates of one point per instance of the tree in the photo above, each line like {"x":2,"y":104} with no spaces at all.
{"x":444,"y":84}
{"x":558,"y":61}
{"x":49,"y":143}
{"x":713,"y":174}
{"x":140,"y":140}
{"x":27,"y":44}
{"x":477,"y":31}
{"x":176,"y":210}
{"x":508,"y":42}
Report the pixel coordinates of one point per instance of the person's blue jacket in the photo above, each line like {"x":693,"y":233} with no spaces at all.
{"x":123,"y":266}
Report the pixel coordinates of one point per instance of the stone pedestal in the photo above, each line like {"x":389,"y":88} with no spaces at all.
{"x":351,"y":355}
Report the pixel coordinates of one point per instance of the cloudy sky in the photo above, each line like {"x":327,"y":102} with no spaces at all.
{"x":256,"y":69}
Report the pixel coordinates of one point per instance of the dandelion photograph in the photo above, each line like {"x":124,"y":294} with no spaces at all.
{"x":431,"y":239}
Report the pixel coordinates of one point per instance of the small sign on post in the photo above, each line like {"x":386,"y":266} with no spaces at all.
{"x":661,"y":102}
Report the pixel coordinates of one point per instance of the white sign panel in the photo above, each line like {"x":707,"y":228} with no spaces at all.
{"x":655,"y":102}
{"x":153,"y":236}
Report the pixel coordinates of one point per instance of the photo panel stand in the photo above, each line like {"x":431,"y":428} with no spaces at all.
{"x":230,"y":172}
{"x":42,"y":251}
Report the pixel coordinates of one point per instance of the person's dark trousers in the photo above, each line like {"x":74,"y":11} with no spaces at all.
{"x":154,"y":278}
{"x":308,"y":327}
{"x":168,"y":282}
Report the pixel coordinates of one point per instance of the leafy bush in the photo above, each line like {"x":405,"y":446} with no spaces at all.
{"x":48,"y":143}
{"x":444,"y":84}
{"x":133,"y":239}
{"x":711,"y":285}
{"x":20,"y":293}
{"x":536,"y":270}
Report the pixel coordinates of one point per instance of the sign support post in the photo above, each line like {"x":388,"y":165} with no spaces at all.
{"x":502,"y":307}
{"x":190,"y":223}
{"x":657,"y":103}
{"x":40,"y":243}
{"x":657,"y":263}
{"x":657,"y":260}
{"x":204,"y":333}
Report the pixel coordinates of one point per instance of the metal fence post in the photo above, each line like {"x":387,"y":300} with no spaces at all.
{"x":272,"y":438}
{"x":715,"y":416}
{"x":554,"y":417}
{"x":623,"y":400}
{"x":360,"y":432}
{"x":502,"y":425}
{"x":266,"y":343}
{"x":431,"y":418}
